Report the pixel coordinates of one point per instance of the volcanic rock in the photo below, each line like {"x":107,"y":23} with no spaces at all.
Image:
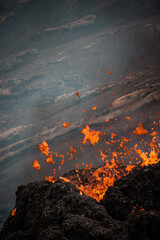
{"x":58,"y":211}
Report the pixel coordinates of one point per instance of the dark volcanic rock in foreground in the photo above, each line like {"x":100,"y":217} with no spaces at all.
{"x":130,"y":210}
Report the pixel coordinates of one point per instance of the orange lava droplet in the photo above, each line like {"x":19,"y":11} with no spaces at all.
{"x":64,"y":179}
{"x":36,"y":165}
{"x":94,"y":108}
{"x":127,"y":118}
{"x":49,"y":159}
{"x":72,"y":149}
{"x":49,"y":179}
{"x":43,"y":148}
{"x":91,"y":135}
{"x":65,"y":125}
{"x":129,"y":168}
{"x":102,"y":155}
{"x":107,"y":120}
{"x":84,"y":111}
{"x":77,"y":93}
{"x":108,"y":72}
{"x":113,"y":135}
{"x":140,"y":130}
{"x":13,"y":212}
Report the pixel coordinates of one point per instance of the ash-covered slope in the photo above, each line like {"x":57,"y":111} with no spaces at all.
{"x":129,"y":210}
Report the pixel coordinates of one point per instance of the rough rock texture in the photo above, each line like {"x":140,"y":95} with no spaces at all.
{"x":129,"y":210}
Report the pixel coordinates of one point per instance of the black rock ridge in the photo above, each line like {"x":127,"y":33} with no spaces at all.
{"x":57,"y":211}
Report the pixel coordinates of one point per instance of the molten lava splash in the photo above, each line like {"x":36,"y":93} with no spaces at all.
{"x":65,"y":125}
{"x":100,"y":179}
{"x":36,"y":165}
{"x":92,"y":135}
{"x":43,"y":148}
{"x":49,"y":159}
{"x":49,"y":179}
{"x":140,"y":130}
{"x":152,"y":159}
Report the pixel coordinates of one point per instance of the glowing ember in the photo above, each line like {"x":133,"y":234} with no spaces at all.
{"x":13,"y":212}
{"x":65,"y":125}
{"x":64,"y":179}
{"x":113,"y":135}
{"x":109,"y":72}
{"x":43,"y":148}
{"x":91,"y":135}
{"x":49,"y":179}
{"x":77,"y":93}
{"x":152,"y":159}
{"x":140,"y":130}
{"x":36,"y":165}
{"x":127,"y":118}
{"x":49,"y":159}
{"x":94,"y":108}
{"x":72,"y":149}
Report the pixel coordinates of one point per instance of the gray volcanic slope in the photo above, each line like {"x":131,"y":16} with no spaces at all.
{"x":51,"y":49}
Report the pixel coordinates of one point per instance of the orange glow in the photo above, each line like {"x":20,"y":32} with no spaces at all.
{"x":13,"y":212}
{"x":140,"y":130}
{"x":72,"y":149}
{"x":43,"y":148}
{"x":49,"y":179}
{"x":94,"y":108}
{"x":91,"y":135}
{"x":36,"y":165}
{"x":127,"y":118}
{"x":129,"y":168}
{"x":113,"y":135}
{"x":77,"y":93}
{"x":49,"y":159}
{"x":108,"y":72}
{"x":152,"y":159}
{"x":114,"y":166}
{"x":64,"y":179}
{"x":65,"y":125}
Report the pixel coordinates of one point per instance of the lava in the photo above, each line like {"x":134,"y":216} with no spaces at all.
{"x":77,"y":93}
{"x":36,"y":165}
{"x":98,"y":180}
{"x":65,"y":125}
{"x":140,"y":130}
{"x":13,"y":212}
{"x":91,"y":135}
